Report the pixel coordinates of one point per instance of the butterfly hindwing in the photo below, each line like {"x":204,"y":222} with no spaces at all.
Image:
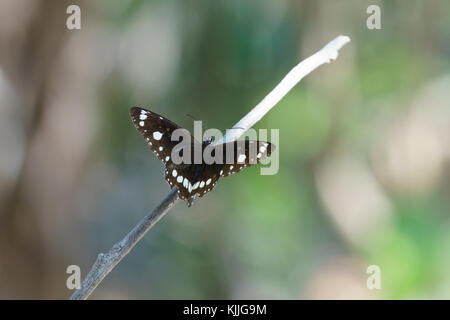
{"x":182,"y":177}
{"x":206,"y":178}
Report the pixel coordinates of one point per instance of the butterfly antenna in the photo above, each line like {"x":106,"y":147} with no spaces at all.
{"x":224,"y":130}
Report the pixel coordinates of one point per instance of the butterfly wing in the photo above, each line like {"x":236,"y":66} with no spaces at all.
{"x":238,"y":154}
{"x":245,"y":153}
{"x":195,"y":179}
{"x":182,"y":177}
{"x":156,"y":130}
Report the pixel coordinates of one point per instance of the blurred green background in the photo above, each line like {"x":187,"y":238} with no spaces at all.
{"x":364,"y":147}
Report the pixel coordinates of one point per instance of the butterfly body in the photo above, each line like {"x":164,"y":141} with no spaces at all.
{"x":195,"y":176}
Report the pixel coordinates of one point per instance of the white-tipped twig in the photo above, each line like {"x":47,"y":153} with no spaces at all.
{"x":327,"y":53}
{"x":106,"y":262}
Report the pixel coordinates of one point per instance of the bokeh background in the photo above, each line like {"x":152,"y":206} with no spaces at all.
{"x":364,"y":173}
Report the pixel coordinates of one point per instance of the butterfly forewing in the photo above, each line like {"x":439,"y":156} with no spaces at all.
{"x":245,"y":153}
{"x":156,"y":130}
{"x":238,"y":154}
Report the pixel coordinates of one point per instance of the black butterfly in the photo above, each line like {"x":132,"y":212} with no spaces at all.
{"x":195,"y":179}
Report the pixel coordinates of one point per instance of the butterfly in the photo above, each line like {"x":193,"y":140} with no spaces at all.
{"x":195,"y":178}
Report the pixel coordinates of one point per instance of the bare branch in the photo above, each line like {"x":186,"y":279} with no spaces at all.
{"x":106,"y":262}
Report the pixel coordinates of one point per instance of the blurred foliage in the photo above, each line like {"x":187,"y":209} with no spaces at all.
{"x":267,"y":236}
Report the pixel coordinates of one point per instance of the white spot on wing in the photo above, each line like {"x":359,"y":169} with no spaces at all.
{"x":167,"y":158}
{"x":174,"y":173}
{"x":160,"y":148}
{"x":242,"y":158}
{"x":208,"y":181}
{"x":180,"y":179}
{"x":141,"y":123}
{"x":143,"y":117}
{"x":157,"y":135}
{"x":202,"y":184}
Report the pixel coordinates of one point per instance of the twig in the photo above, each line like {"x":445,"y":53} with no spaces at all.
{"x":327,"y":53}
{"x":106,"y":262}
